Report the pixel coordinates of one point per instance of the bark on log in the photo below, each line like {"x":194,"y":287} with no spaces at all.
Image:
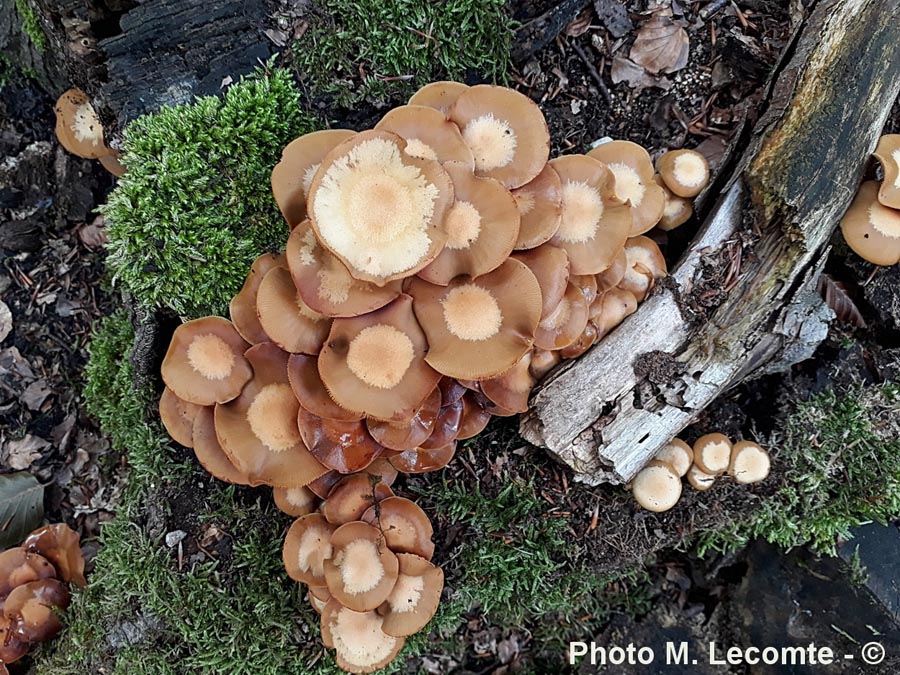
{"x":608,"y":413}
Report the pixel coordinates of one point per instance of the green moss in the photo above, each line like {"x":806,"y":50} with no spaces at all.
{"x":195,"y":207}
{"x":31,"y":25}
{"x":400,"y":45}
{"x":838,"y":456}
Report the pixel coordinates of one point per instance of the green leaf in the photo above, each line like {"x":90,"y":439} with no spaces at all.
{"x":21,"y":507}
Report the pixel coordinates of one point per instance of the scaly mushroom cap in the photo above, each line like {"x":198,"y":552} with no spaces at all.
{"x":360,"y":644}
{"x":482,"y":226}
{"x":888,"y":154}
{"x":633,"y":171}
{"x":353,"y":496}
{"x":749,"y":463}
{"x":411,"y":434}
{"x":542,"y":362}
{"x":712,"y":453}
{"x":685,"y":172}
{"x":613,"y":275}
{"x":645,"y":264}
{"x":325,"y":283}
{"x":595,"y":223}
{"x":77,"y":126}
{"x":428,"y":134}
{"x":178,"y":417}
{"x":540,"y":208}
{"x":506,"y":132}
{"x":59,"y":544}
{"x":19,"y":566}
{"x":345,"y":447}
{"x":565,"y":323}
{"x":512,"y":389}
{"x":32,"y":609}
{"x":258,"y":430}
{"x":205,"y":362}
{"x":699,"y":479}
{"x":415,"y":597}
{"x":584,"y":342}
{"x":362,"y":570}
{"x":475,"y":418}
{"x":285,"y":318}
{"x":677,"y":454}
{"x":657,"y":487}
{"x":306,"y":548}
{"x":295,"y":502}
{"x":293,"y":175}
{"x":871,"y":229}
{"x":439,"y":95}
{"x":405,"y":526}
{"x":376,"y":363}
{"x":242,"y":308}
{"x":210,"y":453}
{"x":550,"y":266}
{"x":677,"y":210}
{"x":610,"y":309}
{"x":446,"y":426}
{"x":378,"y":209}
{"x":303,"y":374}
{"x":478,"y":329}
{"x":421,"y":460}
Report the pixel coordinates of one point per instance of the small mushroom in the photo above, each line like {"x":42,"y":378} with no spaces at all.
{"x":584,"y":342}
{"x":699,"y":479}
{"x":353,"y":496}
{"x":451,"y":390}
{"x":712,"y":453}
{"x":306,"y":548}
{"x":178,"y":417}
{"x":610,"y":309}
{"x":78,"y":127}
{"x":411,"y":434}
{"x":209,"y":451}
{"x":439,"y":95}
{"x":677,"y":211}
{"x":474,"y":419}
{"x":888,"y":154}
{"x":684,"y":172}
{"x":422,"y":460}
{"x":59,"y":544}
{"x":32,"y":609}
{"x":540,"y":208}
{"x":405,"y":526}
{"x":360,"y":644}
{"x":550,"y":266}
{"x":872,"y":229}
{"x":415,"y":597}
{"x":542,"y":362}
{"x":345,"y":447}
{"x":657,"y":487}
{"x":677,"y":454}
{"x":749,"y":463}
{"x":613,"y":275}
{"x":428,"y":134}
{"x":19,"y":566}
{"x":285,"y":318}
{"x":362,"y":570}
{"x":645,"y":265}
{"x":303,"y":375}
{"x":565,"y":324}
{"x":296,"y":502}
{"x":242,"y":308}
{"x":512,"y":389}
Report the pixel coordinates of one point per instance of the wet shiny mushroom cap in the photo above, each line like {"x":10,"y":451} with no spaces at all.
{"x":345,"y":447}
{"x":19,"y":566}
{"x":378,"y":209}
{"x":474,"y":418}
{"x":404,"y":524}
{"x":645,"y":265}
{"x":415,"y":597}
{"x":540,"y":208}
{"x":478,"y":329}
{"x":482,"y":227}
{"x":360,"y":643}
{"x":61,"y":545}
{"x":178,"y":417}
{"x":422,"y":460}
{"x":285,"y":318}
{"x":78,"y":127}
{"x":242,"y":308}
{"x":306,"y":548}
{"x":506,"y":132}
{"x":438,"y":95}
{"x":32,"y":609}
{"x":428,"y":134}
{"x":684,"y":172}
{"x":871,"y":229}
{"x":888,"y":154}
{"x":595,"y":223}
{"x":411,"y":434}
{"x":293,"y":175}
{"x":205,"y":362}
{"x":633,"y":171}
{"x":376,"y":363}
{"x":362,"y":569}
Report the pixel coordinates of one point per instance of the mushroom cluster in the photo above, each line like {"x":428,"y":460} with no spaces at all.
{"x":79,"y":131}
{"x":33,"y":588}
{"x":657,"y":487}
{"x":871,"y":225}
{"x":437,"y":267}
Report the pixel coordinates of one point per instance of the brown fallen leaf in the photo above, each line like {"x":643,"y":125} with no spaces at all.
{"x":837,"y":296}
{"x":20,"y":454}
{"x":661,"y":45}
{"x":93,"y":234}
{"x":579,"y":25}
{"x":624,"y":69}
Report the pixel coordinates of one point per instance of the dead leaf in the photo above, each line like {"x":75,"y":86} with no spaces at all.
{"x":580,"y":25}
{"x":661,"y":46}
{"x":21,"y":507}
{"x":93,"y":235}
{"x":6,"y":323}
{"x":837,"y":296}
{"x":625,"y":70}
{"x":35,"y":394}
{"x":614,"y":15}
{"x":278,"y":37}
{"x":21,"y":454}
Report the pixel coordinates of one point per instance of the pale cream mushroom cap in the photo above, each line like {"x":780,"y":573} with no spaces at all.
{"x":685,"y":172}
{"x":888,"y":153}
{"x":712,"y":453}
{"x":677,"y":454}
{"x":656,"y":487}
{"x":699,"y":479}
{"x":750,"y":463}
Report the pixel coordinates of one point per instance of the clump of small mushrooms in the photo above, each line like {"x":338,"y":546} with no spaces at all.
{"x":79,"y":130}
{"x":33,"y":588}
{"x":871,"y":225}
{"x":657,"y":487}
{"x":437,"y":267}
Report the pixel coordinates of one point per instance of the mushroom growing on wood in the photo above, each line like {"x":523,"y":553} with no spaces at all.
{"x":699,"y":479}
{"x":684,"y":172}
{"x":678,"y":455}
{"x":540,"y":208}
{"x":677,"y":211}
{"x":78,"y":127}
{"x":657,"y":487}
{"x":749,"y":463}
{"x":712,"y":453}
{"x":428,"y":134}
{"x":872,"y":229}
{"x":645,"y":264}
{"x":888,"y":153}
{"x":633,"y":171}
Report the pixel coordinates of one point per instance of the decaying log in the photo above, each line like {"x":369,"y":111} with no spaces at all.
{"x":608,"y":413}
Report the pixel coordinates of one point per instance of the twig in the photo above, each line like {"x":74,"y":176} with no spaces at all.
{"x":593,"y":72}
{"x":712,"y":8}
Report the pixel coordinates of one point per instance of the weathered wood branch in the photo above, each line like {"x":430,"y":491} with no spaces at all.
{"x":608,"y":413}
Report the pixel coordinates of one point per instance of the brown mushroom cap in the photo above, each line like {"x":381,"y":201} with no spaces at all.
{"x":19,"y":566}
{"x":293,"y":175}
{"x":512,"y":389}
{"x":405,"y":526}
{"x":506,"y":132}
{"x":205,"y":362}
{"x":749,"y":463}
{"x":32,"y":609}
{"x":11,"y":647}
{"x":475,"y":418}
{"x":584,"y":342}
{"x":376,"y":363}
{"x":712,"y":453}
{"x":77,"y":126}
{"x":677,"y":210}
{"x":258,"y":430}
{"x":353,"y":496}
{"x":360,"y":644}
{"x":428,"y":134}
{"x":587,"y":284}
{"x":565,"y":323}
{"x":303,"y":374}
{"x":540,"y":208}
{"x":285,"y":318}
{"x":656,"y":487}
{"x":306,"y":548}
{"x":423,"y":460}
{"x":871,"y":229}
{"x":242,"y":308}
{"x":478,"y":329}
{"x":315,"y":601}
{"x":699,"y":479}
{"x":345,"y":447}
{"x":550,"y":266}
{"x":542,"y":362}
{"x":210,"y":453}
{"x":59,"y":544}
{"x":610,"y":309}
{"x":324,"y":282}
{"x":446,"y":426}
{"x":112,"y":164}
{"x":612,"y":275}
{"x":684,"y":172}
{"x":451,"y":390}
{"x":378,"y":209}
{"x":295,"y":502}
{"x":415,"y":597}
{"x":888,"y":154}
{"x":482,"y":226}
{"x":362,"y":570}
{"x":178,"y":417}
{"x":595,"y":223}
{"x":411,"y":434}
{"x":438,"y":95}
{"x":677,"y":454}
{"x":633,"y":171}
{"x":645,"y":265}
